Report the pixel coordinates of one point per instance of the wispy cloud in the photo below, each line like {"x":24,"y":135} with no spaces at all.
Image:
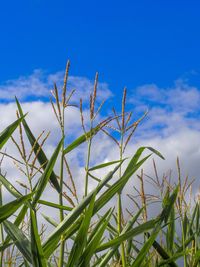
{"x":170,"y":109}
{"x":181,"y":97}
{"x":38,"y":85}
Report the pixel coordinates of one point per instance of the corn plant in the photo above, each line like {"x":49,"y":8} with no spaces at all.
{"x":88,"y":231}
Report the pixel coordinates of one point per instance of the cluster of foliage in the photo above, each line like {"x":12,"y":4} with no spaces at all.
{"x":88,"y":232}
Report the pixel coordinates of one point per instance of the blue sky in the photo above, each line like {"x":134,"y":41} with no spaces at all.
{"x":130,"y":43}
{"x":151,"y":47}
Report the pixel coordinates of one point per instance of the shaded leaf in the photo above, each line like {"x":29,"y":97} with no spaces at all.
{"x":20,"y":240}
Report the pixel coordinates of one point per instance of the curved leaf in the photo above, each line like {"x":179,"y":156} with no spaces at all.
{"x":9,"y":209}
{"x":41,"y":157}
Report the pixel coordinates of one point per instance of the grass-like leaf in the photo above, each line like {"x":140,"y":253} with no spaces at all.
{"x":119,"y":185}
{"x":41,"y":157}
{"x":169,"y":202}
{"x":83,"y":138}
{"x":9,"y":209}
{"x":10,"y":187}
{"x":127,"y":235}
{"x":113,"y":249}
{"x":53,"y":205}
{"x":81,"y":237}
{"x":6,"y":134}
{"x":95,"y":240}
{"x":103,"y":165}
{"x":50,"y":244}
{"x":36,"y":242}
{"x":20,"y":240}
{"x":47,"y":174}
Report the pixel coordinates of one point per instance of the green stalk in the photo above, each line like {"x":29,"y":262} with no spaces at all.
{"x":1,"y":230}
{"x":119,"y":217}
{"x":88,"y":162}
{"x":87,"y":166}
{"x":62,"y":243}
{"x":183,"y":242}
{"x":28,"y":175}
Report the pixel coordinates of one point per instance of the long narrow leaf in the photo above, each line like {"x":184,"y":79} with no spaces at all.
{"x":127,"y":235}
{"x":103,"y":165}
{"x":10,"y":187}
{"x":36,"y":239}
{"x":117,"y":186}
{"x":50,"y":244}
{"x":113,"y":249}
{"x":9,"y":209}
{"x":41,"y":157}
{"x":81,"y":139}
{"x":91,"y":247}
{"x":47,"y":173}
{"x":6,"y":134}
{"x":18,"y":220}
{"x":53,"y":205}
{"x":163,"y":217}
{"x":21,"y":241}
{"x":81,"y":237}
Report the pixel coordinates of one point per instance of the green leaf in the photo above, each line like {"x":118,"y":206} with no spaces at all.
{"x":9,"y":209}
{"x":163,"y":253}
{"x":192,"y":219}
{"x":18,"y":220}
{"x":114,"y":248}
{"x":155,"y":152}
{"x":186,"y":243}
{"x":103,"y":165}
{"x":73,"y":228}
{"x":81,"y":139}
{"x":6,"y":134}
{"x":168,"y":204}
{"x":20,"y":240}
{"x":172,"y":259}
{"x":36,"y":242}
{"x":171,"y":231}
{"x":50,"y":220}
{"x":41,"y":157}
{"x":10,"y":187}
{"x":119,"y":185}
{"x":47,"y":173}
{"x":53,"y":205}
{"x":50,"y":244}
{"x":144,"y":250}
{"x":95,"y":240}
{"x":98,"y":225}
{"x":127,"y":235}
{"x":163,"y":217}
{"x":4,"y":246}
{"x":81,"y":237}
{"x":137,"y":155}
{"x":196,"y":259}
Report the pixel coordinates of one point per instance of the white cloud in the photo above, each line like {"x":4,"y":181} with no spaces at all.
{"x":168,"y":127}
{"x":181,"y":97}
{"x":170,"y":109}
{"x":38,"y":85}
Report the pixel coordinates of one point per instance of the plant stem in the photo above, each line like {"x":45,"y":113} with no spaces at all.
{"x":62,"y":243}
{"x":28,"y":175}
{"x":1,"y":230}
{"x":88,"y":163}
{"x":123,"y":257}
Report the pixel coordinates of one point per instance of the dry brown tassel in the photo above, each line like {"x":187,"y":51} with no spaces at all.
{"x":123,"y":108}
{"x":65,"y":83}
